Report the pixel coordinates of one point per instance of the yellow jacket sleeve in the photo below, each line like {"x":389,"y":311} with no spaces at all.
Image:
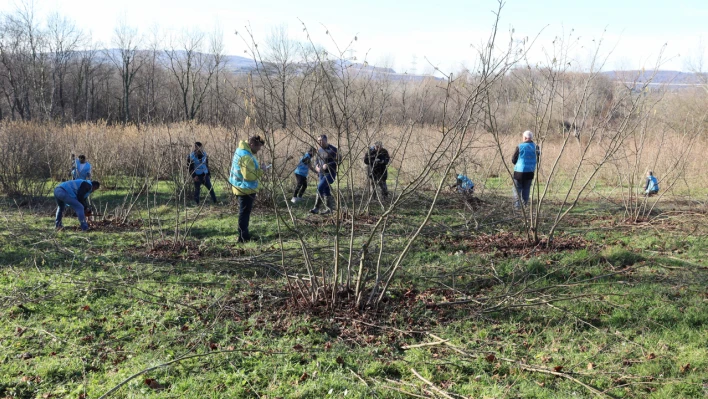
{"x":249,"y":170}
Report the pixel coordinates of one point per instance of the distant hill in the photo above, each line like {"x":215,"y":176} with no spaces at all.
{"x":670,"y":78}
{"x":238,"y":64}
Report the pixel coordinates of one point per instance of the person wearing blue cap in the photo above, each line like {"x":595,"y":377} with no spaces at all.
{"x":74,"y":193}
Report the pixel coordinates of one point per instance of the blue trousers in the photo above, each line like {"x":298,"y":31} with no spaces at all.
{"x":63,"y":199}
{"x":522,"y":188}
{"x":323,"y":187}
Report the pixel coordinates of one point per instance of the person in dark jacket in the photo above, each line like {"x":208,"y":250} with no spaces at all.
{"x":327,"y":161}
{"x":74,"y":193}
{"x":376,"y":161}
{"x":198,"y":162}
{"x":525,"y":160}
{"x":301,"y":171}
{"x":651,"y":187}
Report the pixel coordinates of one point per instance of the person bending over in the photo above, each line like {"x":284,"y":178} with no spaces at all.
{"x":74,"y":193}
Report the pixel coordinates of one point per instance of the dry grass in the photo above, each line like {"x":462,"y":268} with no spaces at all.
{"x":42,"y":151}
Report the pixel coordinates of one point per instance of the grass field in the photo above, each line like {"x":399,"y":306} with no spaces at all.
{"x":614,"y":309}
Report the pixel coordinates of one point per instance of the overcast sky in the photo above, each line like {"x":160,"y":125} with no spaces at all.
{"x":408,"y":35}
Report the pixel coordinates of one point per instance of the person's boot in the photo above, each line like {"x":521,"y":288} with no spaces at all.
{"x":318,"y":201}
{"x":331,"y":206}
{"x":384,"y":190}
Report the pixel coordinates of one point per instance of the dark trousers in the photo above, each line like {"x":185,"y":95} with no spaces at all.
{"x":206,"y":181}
{"x":245,"y":205}
{"x":522,"y":188}
{"x":301,"y":185}
{"x":379,"y":179}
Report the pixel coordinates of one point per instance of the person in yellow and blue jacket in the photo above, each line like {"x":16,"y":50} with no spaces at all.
{"x":244,"y":179}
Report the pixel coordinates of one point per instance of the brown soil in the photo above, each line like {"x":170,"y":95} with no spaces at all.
{"x":507,"y":244}
{"x":109,"y":225}
{"x":171,"y":250}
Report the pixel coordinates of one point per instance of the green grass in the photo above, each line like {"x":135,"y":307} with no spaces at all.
{"x":83,"y":312}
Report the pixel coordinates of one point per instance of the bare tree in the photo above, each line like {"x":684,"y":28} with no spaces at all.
{"x":697,"y":64}
{"x":63,"y":41}
{"x":128,"y":61}
{"x":280,"y":63}
{"x":193,"y":68}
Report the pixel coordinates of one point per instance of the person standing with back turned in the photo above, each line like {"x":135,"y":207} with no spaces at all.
{"x":525,"y":159}
{"x":244,"y":177}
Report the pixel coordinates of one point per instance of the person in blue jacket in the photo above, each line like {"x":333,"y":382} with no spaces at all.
{"x":301,"y":171}
{"x":525,"y":159}
{"x":198,"y":162}
{"x":651,"y":187}
{"x":74,"y":193}
{"x":464,"y":184}
{"x":80,"y":168}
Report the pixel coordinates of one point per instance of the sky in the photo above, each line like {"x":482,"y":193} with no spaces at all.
{"x":415,"y":35}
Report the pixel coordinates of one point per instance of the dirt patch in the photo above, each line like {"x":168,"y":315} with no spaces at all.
{"x":171,"y":250}
{"x":109,"y":225}
{"x":360,"y":221}
{"x":403,"y":308}
{"x":507,"y":244}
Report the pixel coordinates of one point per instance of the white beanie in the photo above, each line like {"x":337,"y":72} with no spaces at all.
{"x":528,"y":135}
